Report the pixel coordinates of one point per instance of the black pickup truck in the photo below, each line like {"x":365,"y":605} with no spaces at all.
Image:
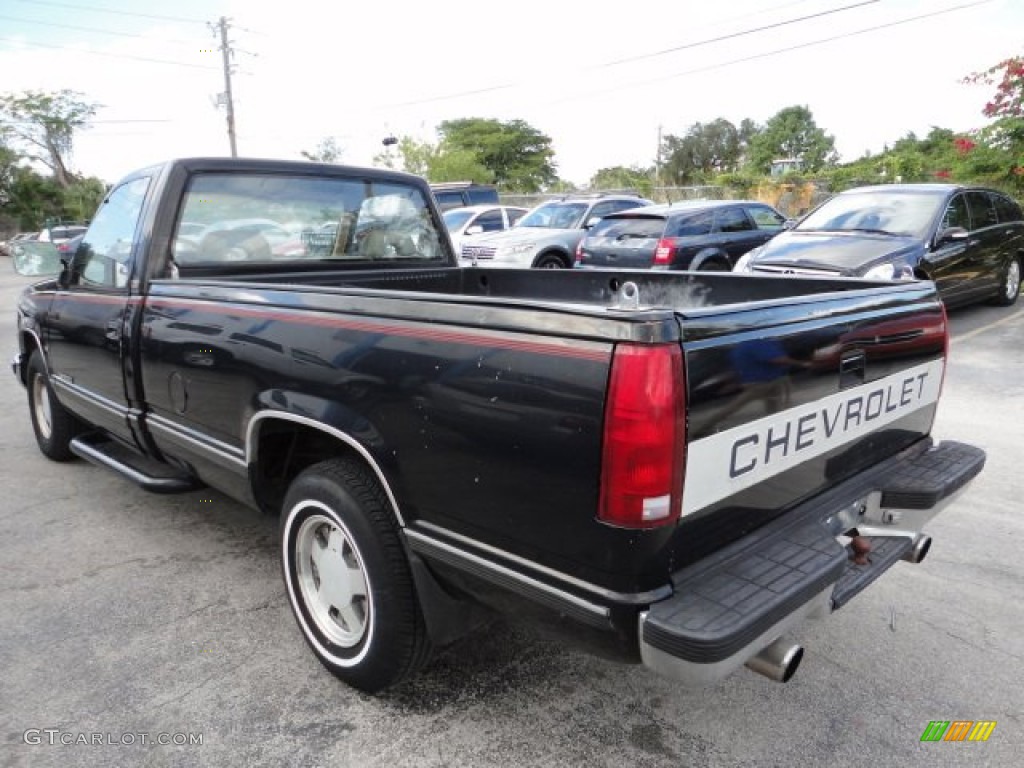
{"x":670,"y":468}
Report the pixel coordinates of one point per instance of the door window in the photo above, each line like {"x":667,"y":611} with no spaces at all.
{"x":957,"y":214}
{"x":983,"y":213}
{"x":732,"y":220}
{"x":104,"y":257}
{"x":765,"y":217}
{"x":490,"y":221}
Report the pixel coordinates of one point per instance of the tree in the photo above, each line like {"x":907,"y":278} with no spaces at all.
{"x":633,"y":178}
{"x":792,"y":134}
{"x":435,"y":162}
{"x":327,"y":151}
{"x":518,"y":156}
{"x":705,"y":150}
{"x":1007,"y":108}
{"x":44,"y":124}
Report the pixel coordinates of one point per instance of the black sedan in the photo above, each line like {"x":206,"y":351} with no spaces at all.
{"x":969,"y":240}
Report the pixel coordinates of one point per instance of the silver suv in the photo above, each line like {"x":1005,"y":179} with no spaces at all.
{"x":547,"y":236}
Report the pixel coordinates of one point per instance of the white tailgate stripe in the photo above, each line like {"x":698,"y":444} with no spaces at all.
{"x":729,"y":462}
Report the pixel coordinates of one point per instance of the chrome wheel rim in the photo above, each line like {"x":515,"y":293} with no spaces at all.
{"x":332,"y":580}
{"x":41,"y":406}
{"x":1012,"y":279}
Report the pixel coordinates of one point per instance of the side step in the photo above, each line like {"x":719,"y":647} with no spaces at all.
{"x":152,"y":475}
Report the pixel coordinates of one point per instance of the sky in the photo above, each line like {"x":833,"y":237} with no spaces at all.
{"x":603,"y":85}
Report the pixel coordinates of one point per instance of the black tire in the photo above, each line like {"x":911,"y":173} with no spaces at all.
{"x":364,"y":625}
{"x":550,"y":261}
{"x":1009,"y":283}
{"x":713,"y":266}
{"x":53,"y":425}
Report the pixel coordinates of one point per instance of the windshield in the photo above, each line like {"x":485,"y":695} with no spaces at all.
{"x":890,"y":212}
{"x":554,"y":216}
{"x":456,"y":219}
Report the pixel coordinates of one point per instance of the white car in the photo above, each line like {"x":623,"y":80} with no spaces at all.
{"x":477,"y":219}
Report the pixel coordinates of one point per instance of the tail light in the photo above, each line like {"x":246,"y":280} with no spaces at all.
{"x":945,"y":346}
{"x":579,"y":253}
{"x":644,"y":449}
{"x":664,"y":252}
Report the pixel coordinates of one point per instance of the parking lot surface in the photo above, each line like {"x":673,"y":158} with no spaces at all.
{"x":133,"y":626}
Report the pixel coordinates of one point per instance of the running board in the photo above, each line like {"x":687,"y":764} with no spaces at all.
{"x":151,"y":475}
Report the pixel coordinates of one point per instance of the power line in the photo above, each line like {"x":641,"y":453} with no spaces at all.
{"x":111,"y":10}
{"x":768,"y":54}
{"x":694,"y":44}
{"x":734,"y":35}
{"x":94,"y":29}
{"x":14,"y":41}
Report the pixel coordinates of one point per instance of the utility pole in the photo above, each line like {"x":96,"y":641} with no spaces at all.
{"x":226,"y":98}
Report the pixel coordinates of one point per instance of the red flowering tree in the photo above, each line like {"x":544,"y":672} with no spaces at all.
{"x":1006,"y":107}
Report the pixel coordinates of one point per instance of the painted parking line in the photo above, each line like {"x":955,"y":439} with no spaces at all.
{"x":1001,"y":321}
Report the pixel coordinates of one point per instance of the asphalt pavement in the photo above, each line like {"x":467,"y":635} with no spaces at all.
{"x":129,"y":619}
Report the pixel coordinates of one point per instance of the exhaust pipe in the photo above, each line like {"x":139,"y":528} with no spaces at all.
{"x":778,"y":661}
{"x":919,"y":550}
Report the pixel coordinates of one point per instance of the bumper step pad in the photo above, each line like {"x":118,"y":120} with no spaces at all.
{"x":723,"y":603}
{"x":931,"y":477}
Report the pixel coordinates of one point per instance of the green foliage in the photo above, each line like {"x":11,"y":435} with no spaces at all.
{"x":326,"y":151}
{"x":792,"y":133}
{"x":706,"y":149}
{"x":518,"y":156}
{"x":634,"y":178}
{"x":42,"y":126}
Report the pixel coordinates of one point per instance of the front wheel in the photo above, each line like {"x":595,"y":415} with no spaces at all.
{"x":550,"y":261}
{"x":1009,"y":287}
{"x":348,"y":579}
{"x":54,"y":425}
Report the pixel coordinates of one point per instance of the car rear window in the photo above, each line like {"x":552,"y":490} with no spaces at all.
{"x":629,"y":226}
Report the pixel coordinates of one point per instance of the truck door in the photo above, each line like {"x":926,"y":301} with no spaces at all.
{"x":85,"y":349}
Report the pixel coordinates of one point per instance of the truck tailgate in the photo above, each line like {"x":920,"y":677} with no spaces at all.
{"x":781,"y":407}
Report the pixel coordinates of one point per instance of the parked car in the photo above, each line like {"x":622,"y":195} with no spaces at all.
{"x":695,"y":234}
{"x":459,"y":194}
{"x":7,"y":245}
{"x":968,"y":240}
{"x":478,"y":219}
{"x":59,"y":234}
{"x":547,"y":236}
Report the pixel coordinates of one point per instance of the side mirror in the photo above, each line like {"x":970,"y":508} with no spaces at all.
{"x":476,"y":229}
{"x":789,"y":223}
{"x":952,"y":234}
{"x":591,"y":222}
{"x":35,"y":259}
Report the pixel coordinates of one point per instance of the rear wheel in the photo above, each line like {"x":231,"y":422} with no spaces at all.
{"x":54,"y":426}
{"x":1009,"y":287}
{"x":347,"y":576}
{"x":714,"y":266}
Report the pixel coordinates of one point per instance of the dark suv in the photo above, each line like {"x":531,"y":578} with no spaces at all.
{"x":690,"y":235}
{"x":968,"y":240}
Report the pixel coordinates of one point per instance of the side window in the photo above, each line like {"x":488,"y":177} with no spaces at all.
{"x":491,"y":221}
{"x":449,"y":199}
{"x":765,"y":217}
{"x":956,"y":214}
{"x":600,"y":210}
{"x":104,"y":255}
{"x":514,"y":215}
{"x":1007,"y":210}
{"x":983,"y":213}
{"x":732,"y":220}
{"x":691,"y":225}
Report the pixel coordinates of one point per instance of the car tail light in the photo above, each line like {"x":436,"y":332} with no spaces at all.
{"x":644,"y":448}
{"x":579,"y":253}
{"x":664,"y":252}
{"x":945,"y":346}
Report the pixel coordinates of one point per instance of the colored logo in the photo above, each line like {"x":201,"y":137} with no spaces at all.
{"x":958,"y":730}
